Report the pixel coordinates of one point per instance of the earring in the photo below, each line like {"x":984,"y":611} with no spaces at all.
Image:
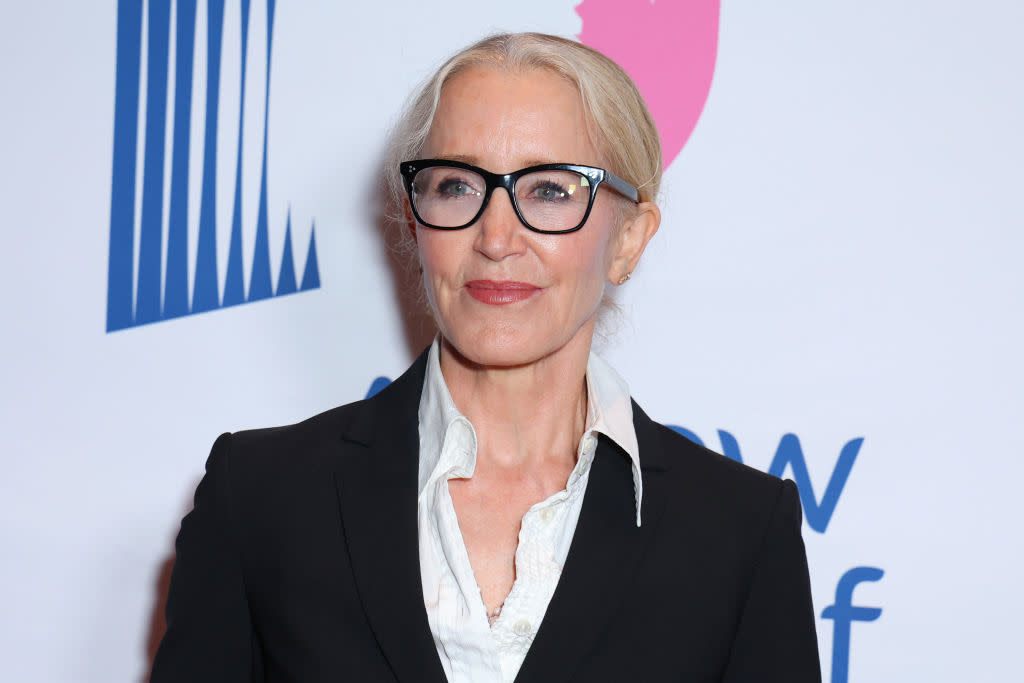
{"x":622,"y":280}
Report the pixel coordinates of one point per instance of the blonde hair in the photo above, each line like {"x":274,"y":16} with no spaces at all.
{"x":619,"y":122}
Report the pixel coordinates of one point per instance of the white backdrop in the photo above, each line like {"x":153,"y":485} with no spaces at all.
{"x":840,"y":259}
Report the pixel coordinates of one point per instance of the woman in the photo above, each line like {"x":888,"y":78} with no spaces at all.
{"x":503,"y":510}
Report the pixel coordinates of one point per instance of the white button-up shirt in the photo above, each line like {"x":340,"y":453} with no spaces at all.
{"x":471,"y":649}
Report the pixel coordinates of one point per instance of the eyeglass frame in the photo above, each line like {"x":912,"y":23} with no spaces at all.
{"x":595,"y":177}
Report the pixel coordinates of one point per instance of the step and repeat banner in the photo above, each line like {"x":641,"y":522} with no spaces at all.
{"x":192,"y":192}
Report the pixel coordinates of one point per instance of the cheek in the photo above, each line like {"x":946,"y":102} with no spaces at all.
{"x":431,"y":251}
{"x":588,"y":258}
{"x":440,"y":258}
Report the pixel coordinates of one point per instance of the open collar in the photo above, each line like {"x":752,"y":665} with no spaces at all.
{"x":448,"y":441}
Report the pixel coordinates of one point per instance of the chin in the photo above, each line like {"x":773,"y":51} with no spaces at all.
{"x":498,"y":345}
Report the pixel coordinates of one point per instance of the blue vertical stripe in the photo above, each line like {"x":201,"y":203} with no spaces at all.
{"x":260,"y":286}
{"x":176,"y":287}
{"x":234,"y":286}
{"x":122,"y":190}
{"x":147,"y":302}
{"x":205,"y":293}
{"x":153,"y":286}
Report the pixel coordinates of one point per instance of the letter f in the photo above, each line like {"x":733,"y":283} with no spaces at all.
{"x":843,"y":613}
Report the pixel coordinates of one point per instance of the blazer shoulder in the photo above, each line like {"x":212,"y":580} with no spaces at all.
{"x":729,"y":490}
{"x":329,"y":434}
{"x":697,"y":455}
{"x":683,"y":457}
{"x":328,"y":425}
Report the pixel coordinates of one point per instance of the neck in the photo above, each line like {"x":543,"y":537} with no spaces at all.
{"x":528,"y":418}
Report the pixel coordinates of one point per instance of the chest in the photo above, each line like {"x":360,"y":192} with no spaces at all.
{"x":491,"y":524}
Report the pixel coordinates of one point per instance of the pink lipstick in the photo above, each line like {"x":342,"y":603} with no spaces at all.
{"x":499,"y":293}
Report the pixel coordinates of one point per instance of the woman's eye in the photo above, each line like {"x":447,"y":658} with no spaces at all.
{"x":455,"y":188}
{"x":549,"y":192}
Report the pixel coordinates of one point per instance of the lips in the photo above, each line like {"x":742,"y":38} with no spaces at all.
{"x":499,"y":293}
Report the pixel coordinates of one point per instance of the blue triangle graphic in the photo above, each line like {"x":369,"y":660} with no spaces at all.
{"x":286,"y":277}
{"x":311,"y":275}
{"x":260,"y":286}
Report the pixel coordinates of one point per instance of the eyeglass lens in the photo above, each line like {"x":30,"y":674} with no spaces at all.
{"x":450,"y":197}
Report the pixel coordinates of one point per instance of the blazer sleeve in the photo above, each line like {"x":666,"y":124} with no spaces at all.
{"x":776,"y":641}
{"x":209,"y":634}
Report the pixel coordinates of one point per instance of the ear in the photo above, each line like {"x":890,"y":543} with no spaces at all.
{"x":410,"y":220}
{"x":633,"y":239}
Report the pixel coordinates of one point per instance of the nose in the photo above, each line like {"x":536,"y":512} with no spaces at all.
{"x":500,"y":234}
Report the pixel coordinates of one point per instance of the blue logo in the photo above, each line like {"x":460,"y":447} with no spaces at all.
{"x":155,"y":294}
{"x":843,"y":612}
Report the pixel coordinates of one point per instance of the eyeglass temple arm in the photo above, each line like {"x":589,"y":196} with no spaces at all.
{"x":621,"y":186}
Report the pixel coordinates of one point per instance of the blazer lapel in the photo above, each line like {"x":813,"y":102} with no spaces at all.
{"x":377,"y":481}
{"x":603,"y":558}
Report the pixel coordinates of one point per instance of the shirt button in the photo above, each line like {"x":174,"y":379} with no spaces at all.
{"x":521,"y":627}
{"x":589,"y":443}
{"x":546,"y":515}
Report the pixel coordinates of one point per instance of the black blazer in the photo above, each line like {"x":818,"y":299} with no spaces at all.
{"x":299,"y":562}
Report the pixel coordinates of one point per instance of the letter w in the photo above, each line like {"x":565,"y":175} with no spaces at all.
{"x":818,"y":514}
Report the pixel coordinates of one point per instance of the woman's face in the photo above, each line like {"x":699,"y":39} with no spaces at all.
{"x":502,"y":294}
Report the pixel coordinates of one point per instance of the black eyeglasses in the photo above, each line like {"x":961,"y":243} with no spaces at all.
{"x":551,"y":198}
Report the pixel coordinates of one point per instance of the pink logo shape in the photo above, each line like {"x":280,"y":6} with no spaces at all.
{"x":668,"y":47}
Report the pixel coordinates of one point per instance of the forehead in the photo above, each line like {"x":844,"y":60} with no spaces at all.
{"x":504,"y":120}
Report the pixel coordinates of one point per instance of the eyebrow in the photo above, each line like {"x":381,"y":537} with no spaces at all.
{"x":463,"y":158}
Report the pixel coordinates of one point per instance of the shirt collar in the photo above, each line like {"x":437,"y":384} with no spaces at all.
{"x":609,"y":412}
{"x":441,"y":421}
